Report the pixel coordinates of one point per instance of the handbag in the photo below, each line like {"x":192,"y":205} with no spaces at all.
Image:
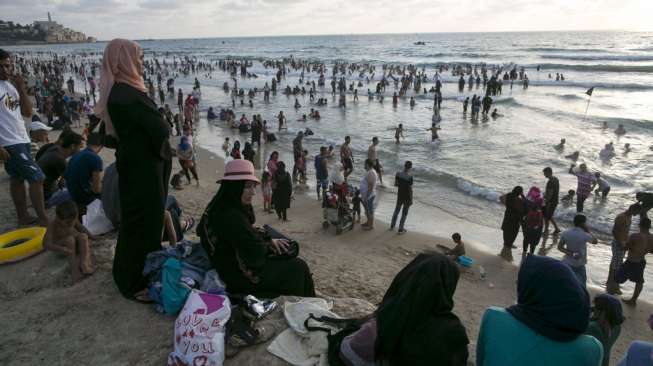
{"x":346,"y":326}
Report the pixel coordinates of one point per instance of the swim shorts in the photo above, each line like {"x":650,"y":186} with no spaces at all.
{"x":377,"y":167}
{"x":21,"y":164}
{"x":633,"y":271}
{"x":549,"y":210}
{"x":347,"y":164}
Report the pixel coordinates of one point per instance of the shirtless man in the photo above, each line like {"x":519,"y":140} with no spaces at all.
{"x":373,"y":156}
{"x":282,"y":120}
{"x":346,"y":157}
{"x":434,"y":131}
{"x":638,"y":245}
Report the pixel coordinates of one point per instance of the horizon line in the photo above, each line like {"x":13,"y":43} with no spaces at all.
{"x":386,"y":33}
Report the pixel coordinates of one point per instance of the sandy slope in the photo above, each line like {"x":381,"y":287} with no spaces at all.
{"x":46,"y":319}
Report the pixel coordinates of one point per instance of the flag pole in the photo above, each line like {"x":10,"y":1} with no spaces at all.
{"x":589,"y":92}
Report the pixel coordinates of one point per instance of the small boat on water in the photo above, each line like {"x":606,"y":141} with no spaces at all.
{"x":419,"y":43}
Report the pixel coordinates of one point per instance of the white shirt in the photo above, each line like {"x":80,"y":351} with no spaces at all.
{"x":369,"y":177}
{"x":12,"y":125}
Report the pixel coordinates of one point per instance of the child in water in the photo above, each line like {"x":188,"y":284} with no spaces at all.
{"x":569,"y":198}
{"x":67,"y":235}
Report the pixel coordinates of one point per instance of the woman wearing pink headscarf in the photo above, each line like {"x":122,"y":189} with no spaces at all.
{"x":143,"y":161}
{"x":534,"y":219}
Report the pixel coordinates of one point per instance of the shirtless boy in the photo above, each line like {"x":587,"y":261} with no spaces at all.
{"x":66,"y":235}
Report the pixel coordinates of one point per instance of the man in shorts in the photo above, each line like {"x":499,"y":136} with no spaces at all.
{"x":620,"y":231}
{"x":551,"y":196}
{"x":321,"y":172}
{"x":15,"y":148}
{"x":346,"y":157}
{"x":638,"y":245}
{"x":373,"y":156}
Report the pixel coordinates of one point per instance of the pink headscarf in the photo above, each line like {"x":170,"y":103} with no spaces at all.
{"x":535,"y":195}
{"x":119,"y":64}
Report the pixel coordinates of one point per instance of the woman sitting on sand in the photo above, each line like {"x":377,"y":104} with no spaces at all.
{"x":546,"y":326}
{"x":414,"y":324}
{"x":238,"y":251}
{"x":605,"y":324}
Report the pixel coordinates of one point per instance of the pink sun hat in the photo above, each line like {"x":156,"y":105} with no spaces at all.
{"x":239,"y":169}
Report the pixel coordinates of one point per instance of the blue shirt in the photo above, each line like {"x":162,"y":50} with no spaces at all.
{"x":79,"y":176}
{"x":505,"y":341}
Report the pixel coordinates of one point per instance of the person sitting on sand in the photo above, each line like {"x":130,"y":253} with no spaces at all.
{"x":457,"y":250}
{"x":561,"y":146}
{"x":65,"y":234}
{"x":414,"y":324}
{"x":605,"y":323}
{"x":546,"y":326}
{"x":239,"y":251}
{"x":638,"y":245}
{"x":620,"y":130}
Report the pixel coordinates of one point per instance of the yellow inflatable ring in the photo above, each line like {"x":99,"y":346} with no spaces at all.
{"x":20,"y":244}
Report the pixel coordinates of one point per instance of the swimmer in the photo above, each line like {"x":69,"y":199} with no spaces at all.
{"x":573,"y":156}
{"x":434,"y":131}
{"x":620,"y":130}
{"x":569,"y":198}
{"x":412,"y":102}
{"x":399,"y":132}
{"x":627,"y":148}
{"x":605,"y":125}
{"x":302,"y":119}
{"x":561,"y":145}
{"x":297,"y":105}
{"x":495,"y":114}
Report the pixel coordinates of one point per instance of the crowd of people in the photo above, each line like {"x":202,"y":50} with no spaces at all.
{"x":414,"y":323}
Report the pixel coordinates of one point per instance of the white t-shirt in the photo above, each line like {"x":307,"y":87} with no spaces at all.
{"x":371,"y":176}
{"x":12,"y":125}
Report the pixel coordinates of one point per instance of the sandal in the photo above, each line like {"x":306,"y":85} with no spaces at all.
{"x":190,"y":223}
{"x":142,"y":297}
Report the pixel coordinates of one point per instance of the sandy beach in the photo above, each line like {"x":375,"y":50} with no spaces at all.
{"x":46,"y":319}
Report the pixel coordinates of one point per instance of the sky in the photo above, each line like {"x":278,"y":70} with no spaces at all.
{"x":144,"y":19}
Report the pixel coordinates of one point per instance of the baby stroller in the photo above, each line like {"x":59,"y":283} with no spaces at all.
{"x":336,"y":209}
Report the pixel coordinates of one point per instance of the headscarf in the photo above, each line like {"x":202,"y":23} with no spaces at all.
{"x":611,"y":306}
{"x":336,"y":175}
{"x":119,"y":64}
{"x":550,"y":299}
{"x":415,"y":322}
{"x":535,"y":196}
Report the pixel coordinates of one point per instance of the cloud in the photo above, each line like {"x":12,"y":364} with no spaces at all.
{"x":89,"y":6}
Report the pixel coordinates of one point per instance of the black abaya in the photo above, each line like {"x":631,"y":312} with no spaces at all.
{"x":143,"y":160}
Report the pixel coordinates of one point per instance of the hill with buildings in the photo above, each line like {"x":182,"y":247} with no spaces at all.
{"x":41,"y":31}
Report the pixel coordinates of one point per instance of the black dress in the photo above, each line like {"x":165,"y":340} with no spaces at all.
{"x":282,"y":191}
{"x":143,"y":161}
{"x":240,"y":255}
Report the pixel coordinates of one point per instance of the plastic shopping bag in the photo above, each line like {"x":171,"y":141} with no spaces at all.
{"x":200,"y":330}
{"x":95,"y":220}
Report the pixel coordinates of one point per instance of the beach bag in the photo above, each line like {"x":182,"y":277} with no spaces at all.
{"x":200,"y":331}
{"x":344,"y":328}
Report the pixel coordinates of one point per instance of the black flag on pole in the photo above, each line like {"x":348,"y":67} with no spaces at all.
{"x":590,"y":91}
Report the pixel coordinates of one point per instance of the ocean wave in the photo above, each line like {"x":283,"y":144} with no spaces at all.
{"x":600,"y":57}
{"x":461,"y":183}
{"x":596,"y":67}
{"x":554,"y":49}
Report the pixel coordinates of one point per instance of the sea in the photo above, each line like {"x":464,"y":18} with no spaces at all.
{"x":475,"y":162}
